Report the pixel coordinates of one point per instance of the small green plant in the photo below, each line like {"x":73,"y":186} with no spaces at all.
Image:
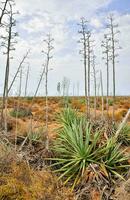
{"x":114,"y":160}
{"x":67,"y":116}
{"x":82,"y":101}
{"x":124,"y":136}
{"x":29,"y":98}
{"x":110,"y":102}
{"x":20,"y":112}
{"x":34,"y":137}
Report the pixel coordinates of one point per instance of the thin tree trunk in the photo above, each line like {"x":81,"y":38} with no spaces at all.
{"x":18,"y":70}
{"x":3,"y":11}
{"x":26,"y":84}
{"x":5,"y":93}
{"x":113,"y":65}
{"x":95,"y":91}
{"x":107,"y":84}
{"x":85,"y":72}
{"x":46,"y":91}
{"x":102,"y":94}
{"x":88,"y":77}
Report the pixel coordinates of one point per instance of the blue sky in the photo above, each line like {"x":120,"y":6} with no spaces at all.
{"x":60,"y":18}
{"x":122,"y":6}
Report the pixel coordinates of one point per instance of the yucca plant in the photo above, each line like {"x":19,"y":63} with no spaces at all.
{"x":124,"y":136}
{"x":67,"y":116}
{"x":75,"y":149}
{"x":114,"y":160}
{"x":34,"y":137}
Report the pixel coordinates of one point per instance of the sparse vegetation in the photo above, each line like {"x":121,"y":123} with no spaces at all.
{"x":20,"y":112}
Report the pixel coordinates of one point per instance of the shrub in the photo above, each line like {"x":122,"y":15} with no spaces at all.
{"x":124,"y":136}
{"x":76,"y":147}
{"x":110,"y":102}
{"x":20,"y":112}
{"x":29,"y":98}
{"x":114,"y":160}
{"x":67,"y":117}
{"x":22,"y":183}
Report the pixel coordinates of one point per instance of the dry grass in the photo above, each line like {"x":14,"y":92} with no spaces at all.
{"x":18,"y":181}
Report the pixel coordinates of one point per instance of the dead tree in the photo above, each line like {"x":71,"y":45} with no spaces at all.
{"x":89,"y":51}
{"x":27,"y":78}
{"x":8,"y":43}
{"x":102,"y":94}
{"x":48,"y":42}
{"x":20,"y":81}
{"x":59,"y":88}
{"x":112,"y":26}
{"x":38,"y":85}
{"x":83,"y":52}
{"x":85,"y":40}
{"x":106,"y":52}
{"x":94,"y":73}
{"x":77,"y":88}
{"x":18,"y":70}
{"x":4,"y":10}
{"x":73,"y":90}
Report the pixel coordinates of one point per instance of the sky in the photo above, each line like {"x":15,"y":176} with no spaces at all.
{"x":60,"y":18}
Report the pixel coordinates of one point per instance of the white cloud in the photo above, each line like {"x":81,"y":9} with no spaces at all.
{"x":96,"y":23}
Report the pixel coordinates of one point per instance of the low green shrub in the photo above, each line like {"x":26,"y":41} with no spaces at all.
{"x":20,"y":112}
{"x":114,"y":160}
{"x":124,"y":136}
{"x":34,"y":137}
{"x":76,"y":147}
{"x":110,"y":102}
{"x":29,"y":98}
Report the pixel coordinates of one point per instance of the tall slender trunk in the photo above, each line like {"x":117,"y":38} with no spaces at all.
{"x":46,"y":92}
{"x":3,"y":11}
{"x":26,"y":84}
{"x":88,"y":77}
{"x":18,"y":70}
{"x":95,"y":90}
{"x":5,"y":93}
{"x":102,"y":94}
{"x":107,"y":83}
{"x":85,"y":72}
{"x":113,"y":65}
{"x":5,"y":98}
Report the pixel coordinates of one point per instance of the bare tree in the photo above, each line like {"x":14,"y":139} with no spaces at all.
{"x":18,"y":70}
{"x":4,"y":10}
{"x":48,"y":42}
{"x":95,"y":83}
{"x":106,"y":52}
{"x":8,"y":43}
{"x":27,"y":78}
{"x":102,"y":94}
{"x":112,"y":26}
{"x":39,"y":82}
{"x":77,"y":88}
{"x":73,"y":90}
{"x":83,"y":52}
{"x":86,"y":51}
{"x":59,"y":88}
